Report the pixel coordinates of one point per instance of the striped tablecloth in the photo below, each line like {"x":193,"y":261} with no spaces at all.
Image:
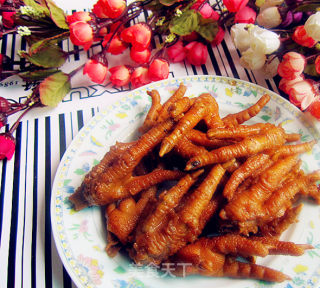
{"x":28,"y":256}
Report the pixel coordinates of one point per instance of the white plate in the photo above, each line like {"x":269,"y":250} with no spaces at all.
{"x":81,"y":236}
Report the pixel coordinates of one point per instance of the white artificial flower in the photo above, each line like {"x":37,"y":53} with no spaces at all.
{"x":263,"y":40}
{"x":312,"y":26}
{"x":252,"y":59}
{"x":240,"y":36}
{"x":269,"y":17}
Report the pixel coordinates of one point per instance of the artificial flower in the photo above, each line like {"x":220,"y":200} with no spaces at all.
{"x":245,"y":15}
{"x":139,"y":77}
{"x":3,"y":120}
{"x":81,"y":34}
{"x":176,"y":52}
{"x":301,"y":37}
{"x":312,"y":26}
{"x":252,"y":59}
{"x":7,"y":146}
{"x":269,"y":17}
{"x":4,"y":105}
{"x":314,"y":108}
{"x":240,"y":36}
{"x":270,"y":68}
{"x":8,"y":19}
{"x":139,"y":35}
{"x":78,"y":16}
{"x":109,"y":8}
{"x":116,"y":46}
{"x":158,"y":69}
{"x":120,"y":75}
{"x":205,"y":10}
{"x":302,"y":93}
{"x":292,"y":65}
{"x":263,"y":4}
{"x":286,"y":84}
{"x":96,"y":71}
{"x":235,"y":5}
{"x":197,"y":53}
{"x":263,"y":40}
{"x":140,"y":57}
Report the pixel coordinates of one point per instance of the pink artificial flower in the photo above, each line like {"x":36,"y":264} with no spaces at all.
{"x":7,"y":146}
{"x":219,"y":37}
{"x":81,"y":34}
{"x":292,"y":65}
{"x":235,"y":5}
{"x":302,"y":93}
{"x":78,"y":16}
{"x":120,"y":75}
{"x":8,"y":19}
{"x":96,"y":71}
{"x":109,"y":8}
{"x":2,"y":1}
{"x":140,"y":57}
{"x":285,"y":85}
{"x":317,"y":63}
{"x":158,"y":69}
{"x":206,"y":10}
{"x":301,"y":37}
{"x":245,"y":15}
{"x":197,"y":53}
{"x":4,"y":104}
{"x":193,"y":36}
{"x":117,"y":46}
{"x":139,"y":35}
{"x":139,"y":77}
{"x":176,"y":52}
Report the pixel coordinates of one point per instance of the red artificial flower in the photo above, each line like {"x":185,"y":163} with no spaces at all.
{"x":2,"y":1}
{"x":235,"y":5}
{"x":317,"y":63}
{"x":303,"y":93}
{"x":245,"y":15}
{"x":8,"y":19}
{"x":219,"y":37}
{"x":205,"y":10}
{"x":158,"y":69}
{"x":193,"y":36}
{"x":78,"y":16}
{"x":292,"y":65}
{"x":301,"y":37}
{"x":140,"y":57}
{"x":139,"y":35}
{"x":117,"y":46}
{"x":109,"y":8}
{"x":96,"y":71}
{"x":285,"y":85}
{"x":120,"y":75}
{"x":176,"y":52}
{"x":197,"y":53}
{"x":81,"y":34}
{"x":139,"y":77}
{"x":314,"y":108}
{"x":7,"y":146}
{"x":3,"y":120}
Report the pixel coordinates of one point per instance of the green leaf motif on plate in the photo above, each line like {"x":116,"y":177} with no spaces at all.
{"x":265,"y":118}
{"x":119,"y":270}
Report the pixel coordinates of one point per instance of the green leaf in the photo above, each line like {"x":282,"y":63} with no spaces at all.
{"x":47,"y":57}
{"x":185,"y":24}
{"x":310,"y":69}
{"x":208,"y":31}
{"x":54,"y":88}
{"x":57,"y":15}
{"x":37,"y":75}
{"x":37,"y":7}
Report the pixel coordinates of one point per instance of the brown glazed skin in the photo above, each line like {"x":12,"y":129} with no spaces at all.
{"x":161,"y":208}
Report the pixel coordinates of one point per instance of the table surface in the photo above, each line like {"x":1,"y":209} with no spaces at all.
{"x":28,"y":256}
